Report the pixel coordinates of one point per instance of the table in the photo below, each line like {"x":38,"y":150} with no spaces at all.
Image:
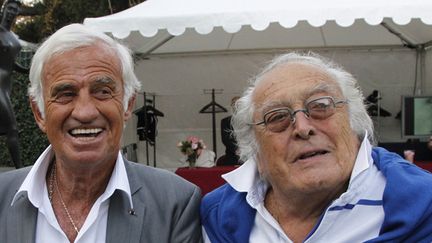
{"x":207,"y":179}
{"x":427,"y":165}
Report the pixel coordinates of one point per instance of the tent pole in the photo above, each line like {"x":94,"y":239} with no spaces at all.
{"x":403,"y":38}
{"x":420,"y":58}
{"x":421,"y":69}
{"x":156,"y":46}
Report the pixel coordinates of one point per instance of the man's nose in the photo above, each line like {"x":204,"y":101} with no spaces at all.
{"x":303,"y":128}
{"x":85,"y":109}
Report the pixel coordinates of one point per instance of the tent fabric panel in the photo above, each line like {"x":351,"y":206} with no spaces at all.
{"x":177,"y":16}
{"x":303,"y":35}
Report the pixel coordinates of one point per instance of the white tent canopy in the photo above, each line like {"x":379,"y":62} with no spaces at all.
{"x":201,"y":44}
{"x":226,"y":25}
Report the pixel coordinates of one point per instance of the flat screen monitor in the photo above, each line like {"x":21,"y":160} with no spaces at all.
{"x":416,"y":116}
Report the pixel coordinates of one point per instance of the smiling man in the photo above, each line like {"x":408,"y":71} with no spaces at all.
{"x":311,"y":172}
{"x":81,"y":189}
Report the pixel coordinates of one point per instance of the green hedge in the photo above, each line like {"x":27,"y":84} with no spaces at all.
{"x":31,"y":140}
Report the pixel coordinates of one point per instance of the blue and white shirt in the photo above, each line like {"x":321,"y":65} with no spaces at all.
{"x":362,"y":200}
{"x":388,"y":200}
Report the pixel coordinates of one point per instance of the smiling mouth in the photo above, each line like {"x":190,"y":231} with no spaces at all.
{"x":312,"y":154}
{"x":85,"y":132}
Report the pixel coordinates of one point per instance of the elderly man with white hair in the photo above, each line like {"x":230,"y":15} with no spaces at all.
{"x":311,"y":172}
{"x":81,"y":189}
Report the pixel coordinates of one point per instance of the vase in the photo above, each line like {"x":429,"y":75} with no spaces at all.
{"x":192,"y":160}
{"x":192,"y":164}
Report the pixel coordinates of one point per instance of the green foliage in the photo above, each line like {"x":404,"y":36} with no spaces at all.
{"x":44,"y":18}
{"x":51,"y":15}
{"x":32,"y":141}
{"x":30,"y":30}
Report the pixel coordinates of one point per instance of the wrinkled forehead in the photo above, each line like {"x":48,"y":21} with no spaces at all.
{"x":94,"y":51}
{"x":84,"y":64}
{"x":292,"y":82}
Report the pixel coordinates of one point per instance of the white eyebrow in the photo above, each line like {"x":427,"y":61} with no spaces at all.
{"x":322,"y":87}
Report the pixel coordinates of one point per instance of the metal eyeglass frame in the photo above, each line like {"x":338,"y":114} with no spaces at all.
{"x":293,"y":113}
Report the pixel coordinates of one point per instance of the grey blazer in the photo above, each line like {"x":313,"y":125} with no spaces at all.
{"x":166,"y":209}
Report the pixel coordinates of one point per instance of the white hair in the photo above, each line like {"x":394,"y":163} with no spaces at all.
{"x":360,"y":121}
{"x":75,"y":36}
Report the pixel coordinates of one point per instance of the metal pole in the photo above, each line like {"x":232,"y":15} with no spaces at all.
{"x":145,"y":127}
{"x":214,"y":123}
{"x":154,"y":145}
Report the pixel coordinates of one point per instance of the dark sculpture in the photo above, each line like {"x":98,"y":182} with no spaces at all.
{"x":9,"y":48}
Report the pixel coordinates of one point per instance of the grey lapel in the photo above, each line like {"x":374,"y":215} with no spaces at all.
{"x":125,"y":225}
{"x":21,"y":221}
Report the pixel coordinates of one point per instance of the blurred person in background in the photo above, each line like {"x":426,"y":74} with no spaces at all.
{"x":231,"y":156}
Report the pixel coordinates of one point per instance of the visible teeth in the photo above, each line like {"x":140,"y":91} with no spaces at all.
{"x":86,"y":131}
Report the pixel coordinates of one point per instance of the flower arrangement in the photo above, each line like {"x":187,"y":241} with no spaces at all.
{"x":191,"y":147}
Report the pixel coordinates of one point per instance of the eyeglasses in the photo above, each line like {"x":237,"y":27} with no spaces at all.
{"x":279,"y":119}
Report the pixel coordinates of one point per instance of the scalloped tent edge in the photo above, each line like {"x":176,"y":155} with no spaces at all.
{"x":169,"y":26}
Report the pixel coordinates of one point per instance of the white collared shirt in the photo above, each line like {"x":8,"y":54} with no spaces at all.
{"x":355,"y":216}
{"x":48,"y":228}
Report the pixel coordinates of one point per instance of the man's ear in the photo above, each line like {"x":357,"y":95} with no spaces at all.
{"x":131,"y":104}
{"x":40,"y":120}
